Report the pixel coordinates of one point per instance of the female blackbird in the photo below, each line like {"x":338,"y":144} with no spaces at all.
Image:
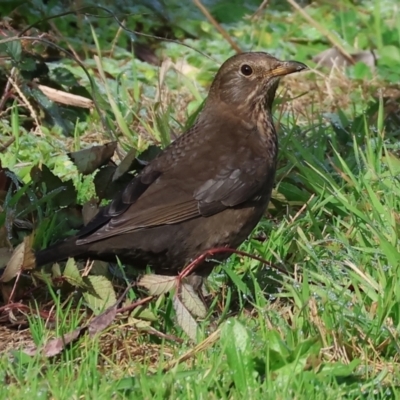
{"x":208,"y":189}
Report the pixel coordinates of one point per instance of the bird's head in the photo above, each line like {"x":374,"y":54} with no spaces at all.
{"x":250,"y":79}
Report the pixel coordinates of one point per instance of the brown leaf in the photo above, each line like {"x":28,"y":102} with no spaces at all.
{"x":185,"y":319}
{"x":89,"y":210}
{"x":21,"y":259}
{"x":56,"y":346}
{"x":103,"y":320}
{"x":88,"y":160}
{"x":192,"y":301}
{"x":157,"y":284}
{"x":5,"y":255}
{"x":125,"y":165}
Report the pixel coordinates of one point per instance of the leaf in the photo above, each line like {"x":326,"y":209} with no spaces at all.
{"x":56,"y":346}
{"x":102,"y":321}
{"x":72,"y":274}
{"x":236,"y":339}
{"x":145,"y":157}
{"x":52,"y":109}
{"x":14,"y":49}
{"x":185,"y":319}
{"x":158,"y":284}
{"x":125,"y":165}
{"x":5,"y":256}
{"x":21,"y":259}
{"x":100,"y":295}
{"x":89,"y":210}
{"x":104,"y":184}
{"x":192,"y":301}
{"x":65,"y":191}
{"x":88,"y":160}
{"x":56,"y":271}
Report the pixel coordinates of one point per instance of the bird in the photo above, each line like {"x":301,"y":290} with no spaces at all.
{"x":208,"y":189}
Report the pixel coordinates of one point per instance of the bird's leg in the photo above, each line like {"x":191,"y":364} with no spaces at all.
{"x":201,"y":258}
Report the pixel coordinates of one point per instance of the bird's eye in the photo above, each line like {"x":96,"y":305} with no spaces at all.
{"x":246,"y":70}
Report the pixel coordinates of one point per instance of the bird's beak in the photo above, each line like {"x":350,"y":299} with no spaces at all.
{"x":287,"y":67}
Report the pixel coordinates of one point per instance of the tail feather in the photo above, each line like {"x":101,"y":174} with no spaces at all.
{"x":58,"y":252}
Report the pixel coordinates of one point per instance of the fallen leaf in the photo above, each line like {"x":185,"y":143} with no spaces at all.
{"x":125,"y":165}
{"x":72,"y":274}
{"x":100,"y":294}
{"x":157,"y":284}
{"x":192,"y":301}
{"x":5,"y":255}
{"x":22,"y":258}
{"x":103,"y":320}
{"x":185,"y":319}
{"x":57,"y":345}
{"x":88,"y":160}
{"x":89,"y":210}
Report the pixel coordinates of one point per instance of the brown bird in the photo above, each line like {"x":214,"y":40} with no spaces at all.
{"x":207,"y":189}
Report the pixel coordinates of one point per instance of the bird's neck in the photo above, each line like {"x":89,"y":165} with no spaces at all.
{"x":257,"y":126}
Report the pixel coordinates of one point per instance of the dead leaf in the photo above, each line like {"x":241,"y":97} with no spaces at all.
{"x":5,"y":255}
{"x":103,"y":320}
{"x":157,"y":284}
{"x":125,"y":165}
{"x":192,"y":301}
{"x":89,"y":210}
{"x":57,"y":345}
{"x":69,"y":99}
{"x":21,"y":259}
{"x":185,"y":319}
{"x":88,"y":160}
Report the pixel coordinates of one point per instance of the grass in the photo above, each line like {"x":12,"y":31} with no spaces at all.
{"x":329,"y":329}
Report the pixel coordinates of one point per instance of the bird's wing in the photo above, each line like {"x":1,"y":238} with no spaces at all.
{"x":170,"y":201}
{"x":232,"y":186}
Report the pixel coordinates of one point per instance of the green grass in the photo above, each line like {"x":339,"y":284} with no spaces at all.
{"x":326,"y":330}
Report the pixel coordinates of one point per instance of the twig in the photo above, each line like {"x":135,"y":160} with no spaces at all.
{"x":71,"y":49}
{"x":323,"y":30}
{"x":217,"y":26}
{"x":261,"y":7}
{"x":27,"y":104}
{"x":205,"y":344}
{"x":7,"y":89}
{"x":133,"y":305}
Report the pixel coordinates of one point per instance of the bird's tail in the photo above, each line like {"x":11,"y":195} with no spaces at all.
{"x":57,"y":252}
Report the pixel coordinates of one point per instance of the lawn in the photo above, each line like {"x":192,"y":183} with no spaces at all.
{"x":318,"y":319}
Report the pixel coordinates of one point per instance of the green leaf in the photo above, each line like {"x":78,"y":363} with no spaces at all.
{"x":237,"y":346}
{"x":100,"y":294}
{"x":72,"y":274}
